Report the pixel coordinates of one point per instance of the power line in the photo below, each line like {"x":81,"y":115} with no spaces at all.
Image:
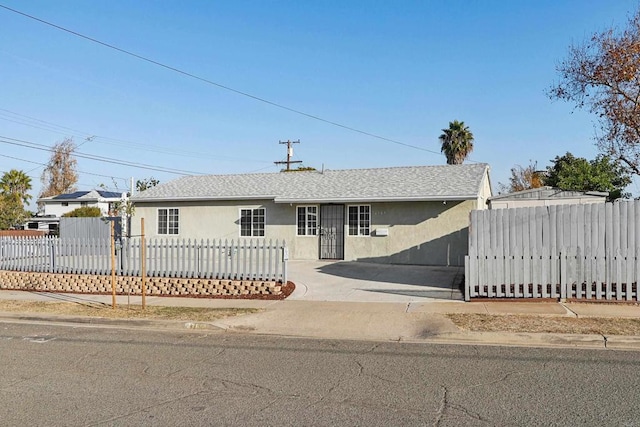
{"x":221,"y":86}
{"x":51,"y":127}
{"x":35,"y":146}
{"x":79,"y":171}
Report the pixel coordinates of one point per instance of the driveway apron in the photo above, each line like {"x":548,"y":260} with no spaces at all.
{"x":367,"y":282}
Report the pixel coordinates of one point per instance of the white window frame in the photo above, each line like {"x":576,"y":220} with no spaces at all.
{"x":168,"y":229}
{"x":360,"y":226}
{"x":309,"y":231}
{"x":252,"y":231}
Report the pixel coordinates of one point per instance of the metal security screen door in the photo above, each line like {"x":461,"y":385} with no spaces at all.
{"x":331,"y":231}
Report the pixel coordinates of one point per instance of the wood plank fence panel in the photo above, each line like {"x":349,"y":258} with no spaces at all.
{"x":571,"y":251}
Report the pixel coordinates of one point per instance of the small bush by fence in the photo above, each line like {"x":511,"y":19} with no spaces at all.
{"x":233,"y":260}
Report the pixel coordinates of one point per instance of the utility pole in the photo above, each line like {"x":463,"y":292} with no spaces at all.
{"x":288,"y":162}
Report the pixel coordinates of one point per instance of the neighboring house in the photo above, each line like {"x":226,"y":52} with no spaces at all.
{"x":55,"y":206}
{"x":545,"y":196}
{"x":404,"y":215}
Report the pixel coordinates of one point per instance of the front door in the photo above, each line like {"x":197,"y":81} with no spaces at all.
{"x":331,"y":231}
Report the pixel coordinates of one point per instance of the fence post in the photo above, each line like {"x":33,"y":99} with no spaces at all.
{"x":52,"y":257}
{"x":563,"y":275}
{"x":285,"y":259}
{"x":467,"y":279}
{"x":113,"y":267}
{"x":143,"y":265}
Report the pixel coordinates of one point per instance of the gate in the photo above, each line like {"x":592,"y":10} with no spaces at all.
{"x":331,"y":231}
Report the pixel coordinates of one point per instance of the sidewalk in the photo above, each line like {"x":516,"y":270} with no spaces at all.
{"x":375,"y":321}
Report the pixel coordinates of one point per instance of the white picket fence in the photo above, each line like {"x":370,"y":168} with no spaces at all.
{"x":185,"y":258}
{"x":586,"y":252}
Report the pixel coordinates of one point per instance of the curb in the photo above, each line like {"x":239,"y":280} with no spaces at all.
{"x":548,"y":340}
{"x":526,"y":339}
{"x":107,"y":322}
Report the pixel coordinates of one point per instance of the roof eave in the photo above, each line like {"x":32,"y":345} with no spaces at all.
{"x":376,"y":199}
{"x":198,"y":199}
{"x":299,"y":200}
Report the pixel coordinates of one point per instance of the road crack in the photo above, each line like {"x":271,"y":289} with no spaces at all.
{"x":443,"y":406}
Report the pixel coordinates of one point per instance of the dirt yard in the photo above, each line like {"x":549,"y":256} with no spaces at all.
{"x":121,"y":311}
{"x":542,"y":324}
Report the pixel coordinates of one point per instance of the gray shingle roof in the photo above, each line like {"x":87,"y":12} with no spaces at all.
{"x":444,"y":182}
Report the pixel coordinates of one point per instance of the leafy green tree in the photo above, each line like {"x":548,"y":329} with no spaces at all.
{"x":12,"y":212}
{"x":579,"y":174}
{"x":457,"y":142}
{"x":84,"y":212}
{"x":14,"y":186}
{"x":16,"y":183}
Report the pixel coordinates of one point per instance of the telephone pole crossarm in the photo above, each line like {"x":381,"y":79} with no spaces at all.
{"x":288,"y":162}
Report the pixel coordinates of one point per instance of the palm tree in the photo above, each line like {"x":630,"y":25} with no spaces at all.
{"x":16,"y":183}
{"x":457,"y":142}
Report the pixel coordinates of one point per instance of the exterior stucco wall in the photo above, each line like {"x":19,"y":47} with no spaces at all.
{"x":220,"y":220}
{"x":426,"y":233}
{"x":423,"y":233}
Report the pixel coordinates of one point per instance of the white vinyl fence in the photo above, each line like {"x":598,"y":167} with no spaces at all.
{"x":239,"y":260}
{"x":586,"y":252}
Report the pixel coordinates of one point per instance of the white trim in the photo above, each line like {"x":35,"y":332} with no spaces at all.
{"x":348,"y":234}
{"x":306,"y":220}
{"x":251,"y":208}
{"x":157,"y":230}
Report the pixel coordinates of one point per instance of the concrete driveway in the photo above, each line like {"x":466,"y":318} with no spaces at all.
{"x":367,"y":282}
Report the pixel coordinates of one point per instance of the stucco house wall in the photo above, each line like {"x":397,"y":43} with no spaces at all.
{"x":427,"y":233}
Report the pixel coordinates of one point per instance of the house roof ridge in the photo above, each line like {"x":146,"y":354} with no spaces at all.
{"x":320,"y":171}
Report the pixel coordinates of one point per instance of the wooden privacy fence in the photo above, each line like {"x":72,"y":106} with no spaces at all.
{"x":236,"y":260}
{"x":587,"y":252}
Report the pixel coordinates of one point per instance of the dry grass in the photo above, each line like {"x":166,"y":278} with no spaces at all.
{"x":122,"y":311}
{"x":548,"y":324}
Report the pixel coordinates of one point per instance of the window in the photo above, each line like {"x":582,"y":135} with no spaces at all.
{"x":252,"y":222}
{"x":168,"y":221}
{"x":65,"y":203}
{"x":307,"y":220}
{"x":84,"y":203}
{"x":359,"y":220}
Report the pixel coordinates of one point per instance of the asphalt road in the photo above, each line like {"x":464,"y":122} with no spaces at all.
{"x":75,"y":376}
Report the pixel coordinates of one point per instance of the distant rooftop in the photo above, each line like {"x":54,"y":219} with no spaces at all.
{"x":548,"y":193}
{"x":93,"y":194}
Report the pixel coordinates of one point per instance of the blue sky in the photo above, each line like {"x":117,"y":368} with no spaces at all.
{"x":400,"y":70}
